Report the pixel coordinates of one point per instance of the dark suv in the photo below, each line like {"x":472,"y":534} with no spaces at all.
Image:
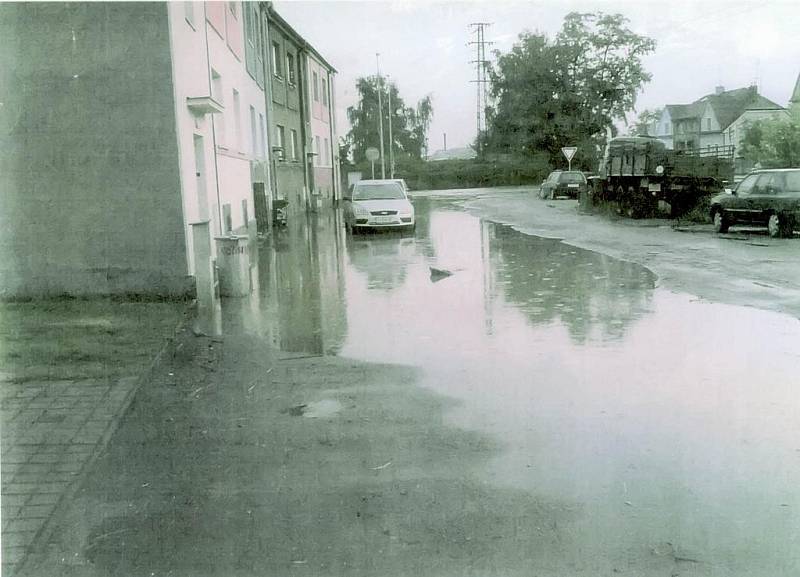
{"x":563,"y":183}
{"x":764,"y":197}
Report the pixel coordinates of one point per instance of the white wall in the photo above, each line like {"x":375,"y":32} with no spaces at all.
{"x":197,"y":49}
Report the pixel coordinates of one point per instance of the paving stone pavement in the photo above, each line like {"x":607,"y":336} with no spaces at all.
{"x":51,"y":431}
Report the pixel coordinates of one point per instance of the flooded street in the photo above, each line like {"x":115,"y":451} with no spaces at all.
{"x":665,"y":425}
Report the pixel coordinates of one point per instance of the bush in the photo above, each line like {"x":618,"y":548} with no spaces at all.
{"x":473,"y":173}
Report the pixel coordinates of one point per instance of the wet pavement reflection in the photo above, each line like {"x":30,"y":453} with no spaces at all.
{"x":656,"y":413}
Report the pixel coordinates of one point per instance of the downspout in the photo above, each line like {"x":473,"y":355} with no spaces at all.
{"x":263,"y":21}
{"x":303,"y":85}
{"x":333,"y":144}
{"x":213,"y":124}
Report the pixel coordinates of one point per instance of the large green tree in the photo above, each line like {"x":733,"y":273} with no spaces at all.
{"x":409,"y":124}
{"x":568,"y":91}
{"x":773,"y":143}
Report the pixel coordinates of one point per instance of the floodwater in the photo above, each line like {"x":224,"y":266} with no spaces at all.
{"x":667,"y":420}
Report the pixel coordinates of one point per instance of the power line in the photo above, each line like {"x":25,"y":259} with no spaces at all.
{"x":481,"y":65}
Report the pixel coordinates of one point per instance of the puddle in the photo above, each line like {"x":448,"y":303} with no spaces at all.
{"x":322,"y":409}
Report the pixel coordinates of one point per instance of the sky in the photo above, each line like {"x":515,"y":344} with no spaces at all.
{"x":424,"y":48}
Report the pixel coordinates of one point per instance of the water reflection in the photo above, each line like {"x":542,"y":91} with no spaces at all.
{"x":298,"y":297}
{"x":590,"y":293}
{"x":318,"y":290}
{"x":382,"y":258}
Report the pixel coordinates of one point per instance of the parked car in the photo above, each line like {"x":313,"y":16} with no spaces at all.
{"x":378,"y":204}
{"x":563,"y":183}
{"x":764,"y":197}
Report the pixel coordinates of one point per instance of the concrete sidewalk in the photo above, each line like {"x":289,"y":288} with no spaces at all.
{"x":70,"y":370}
{"x":237,"y":460}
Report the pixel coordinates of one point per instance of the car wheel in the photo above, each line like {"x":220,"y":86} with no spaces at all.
{"x":721,"y":223}
{"x":779,"y":226}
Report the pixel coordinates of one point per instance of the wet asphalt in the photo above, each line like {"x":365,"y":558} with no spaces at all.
{"x":664,"y":417}
{"x":464,"y":400}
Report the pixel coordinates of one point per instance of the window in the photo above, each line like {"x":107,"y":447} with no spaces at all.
{"x":769,"y":183}
{"x":280,"y":141}
{"x":277,"y":64}
{"x":324,"y":92}
{"x":254,"y":149}
{"x":327,"y":153}
{"x":290,"y":67}
{"x":318,"y":158}
{"x":294,"y":144}
{"x":188,"y":11}
{"x":315,"y":85}
{"x":746,"y":186}
{"x":237,"y":112}
{"x":217,"y":93}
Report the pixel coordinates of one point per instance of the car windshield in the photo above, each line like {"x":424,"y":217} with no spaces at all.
{"x":792,"y":181}
{"x":572,"y":177}
{"x":378,"y":191}
{"x":553,"y":176}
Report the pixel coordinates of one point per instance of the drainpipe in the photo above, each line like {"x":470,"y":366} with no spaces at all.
{"x":213,"y":125}
{"x":335,"y":177}
{"x":272,"y":177}
{"x":302,"y":69}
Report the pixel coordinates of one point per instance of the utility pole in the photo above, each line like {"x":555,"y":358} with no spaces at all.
{"x":480,"y":62}
{"x":380,"y":113}
{"x":391,"y":141}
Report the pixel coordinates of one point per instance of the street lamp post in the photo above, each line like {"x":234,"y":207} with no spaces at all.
{"x":391,"y":140}
{"x":380,"y":114}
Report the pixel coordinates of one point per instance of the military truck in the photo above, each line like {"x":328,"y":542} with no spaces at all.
{"x":638,"y":172}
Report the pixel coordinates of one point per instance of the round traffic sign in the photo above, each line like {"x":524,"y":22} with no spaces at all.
{"x":372,"y":154}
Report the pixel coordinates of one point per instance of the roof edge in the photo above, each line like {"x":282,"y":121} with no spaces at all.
{"x":273,"y":15}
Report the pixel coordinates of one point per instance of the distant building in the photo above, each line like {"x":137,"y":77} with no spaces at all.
{"x":794,"y":101}
{"x":718,"y":119}
{"x":464,"y":153}
{"x":124,"y":124}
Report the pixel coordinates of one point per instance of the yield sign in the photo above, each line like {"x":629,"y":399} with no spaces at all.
{"x":569,"y":151}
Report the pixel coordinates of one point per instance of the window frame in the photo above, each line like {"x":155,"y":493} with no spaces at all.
{"x":277,"y":63}
{"x":290,"y":68}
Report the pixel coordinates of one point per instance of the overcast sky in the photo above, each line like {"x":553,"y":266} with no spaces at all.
{"x":423,"y":47}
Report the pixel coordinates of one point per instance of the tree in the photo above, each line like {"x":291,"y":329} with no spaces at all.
{"x":568,"y":91}
{"x":773,"y":143}
{"x":645,"y":123}
{"x":409,"y":124}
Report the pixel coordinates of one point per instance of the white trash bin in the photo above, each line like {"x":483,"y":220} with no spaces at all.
{"x":233,"y":261}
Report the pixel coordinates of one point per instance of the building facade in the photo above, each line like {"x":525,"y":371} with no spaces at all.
{"x":301,"y":116}
{"x":324,"y":176}
{"x":716,"y":120}
{"x":134,"y":134}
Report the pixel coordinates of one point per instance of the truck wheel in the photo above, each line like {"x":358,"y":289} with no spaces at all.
{"x":721,"y":223}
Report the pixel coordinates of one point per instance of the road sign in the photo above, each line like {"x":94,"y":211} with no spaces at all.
{"x":372,"y":154}
{"x":569,"y":152}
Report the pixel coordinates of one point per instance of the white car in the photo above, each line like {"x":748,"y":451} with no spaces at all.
{"x":378,"y":204}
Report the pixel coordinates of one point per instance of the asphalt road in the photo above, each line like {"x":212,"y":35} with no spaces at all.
{"x":469,"y":400}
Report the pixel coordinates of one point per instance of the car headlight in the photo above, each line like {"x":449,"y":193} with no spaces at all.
{"x":659,"y":169}
{"x":359,"y":210}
